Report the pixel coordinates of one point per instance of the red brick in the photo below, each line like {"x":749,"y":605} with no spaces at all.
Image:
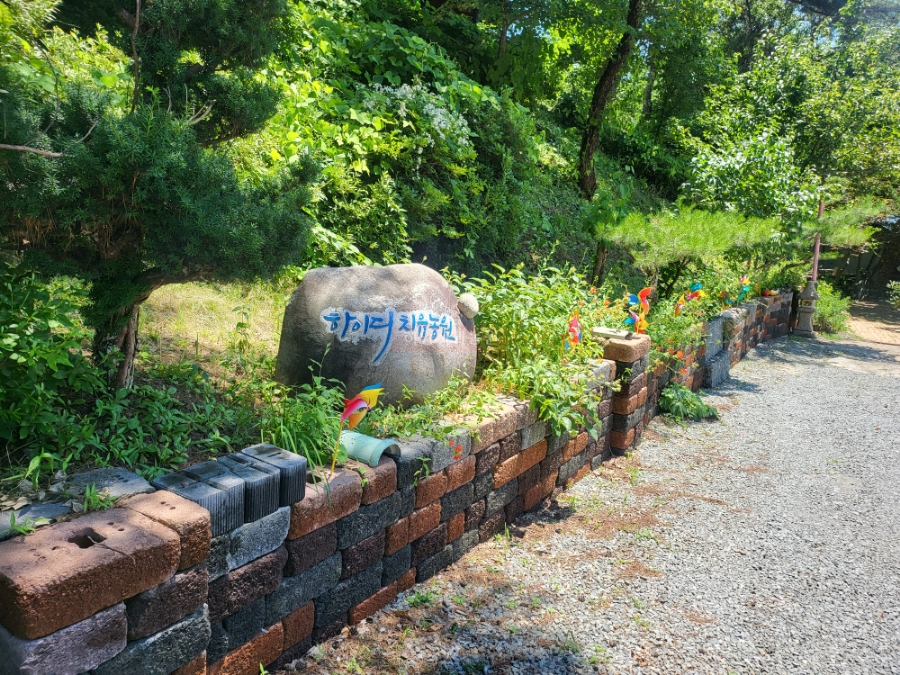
{"x":188,"y":519}
{"x":456,"y":526}
{"x":634,"y":386}
{"x":380,"y":481}
{"x":533,"y":455}
{"x":312,"y":548}
{"x":551,"y":465}
{"x":407,"y":581}
{"x":506,"y":471}
{"x":460,"y":473}
{"x":621,"y":441}
{"x":568,"y":451}
{"x":626,"y":406}
{"x":48,"y":581}
{"x":626,"y":350}
{"x":263,"y":649}
{"x":491,"y":430}
{"x":396,"y":536}
{"x":368,"y":607}
{"x":533,"y":497}
{"x":581,"y":441}
{"x":323,"y":506}
{"x":423,"y":520}
{"x":195,"y":667}
{"x":298,"y":625}
{"x":431,"y":489}
{"x":604,"y":409}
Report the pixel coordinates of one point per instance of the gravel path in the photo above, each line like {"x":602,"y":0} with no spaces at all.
{"x":768,"y":542}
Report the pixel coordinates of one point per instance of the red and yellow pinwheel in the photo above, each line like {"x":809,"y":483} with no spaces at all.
{"x":354,"y":410}
{"x":573,"y":334}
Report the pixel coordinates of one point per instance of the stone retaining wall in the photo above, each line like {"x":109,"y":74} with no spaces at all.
{"x":145,"y":588}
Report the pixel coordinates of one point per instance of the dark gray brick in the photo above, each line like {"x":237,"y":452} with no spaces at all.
{"x":245,"y":624}
{"x":396,"y":565}
{"x":500,"y":497}
{"x":367,"y":520}
{"x":335,"y":602}
{"x":298,"y":590}
{"x":457,"y":501}
{"x":431,"y":566}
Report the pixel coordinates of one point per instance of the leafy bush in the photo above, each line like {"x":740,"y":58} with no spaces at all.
{"x":894,"y":293}
{"x":832,"y":309}
{"x":680,"y":403}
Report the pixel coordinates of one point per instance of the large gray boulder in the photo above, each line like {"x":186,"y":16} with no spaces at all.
{"x":399,"y":325}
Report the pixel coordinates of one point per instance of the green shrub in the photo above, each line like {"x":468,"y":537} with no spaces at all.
{"x":894,"y":293}
{"x":680,"y":403}
{"x":831,"y":309}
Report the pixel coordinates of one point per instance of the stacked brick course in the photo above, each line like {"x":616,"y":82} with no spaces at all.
{"x":147,"y":588}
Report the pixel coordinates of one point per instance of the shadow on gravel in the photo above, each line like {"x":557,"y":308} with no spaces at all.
{"x":787,"y":350}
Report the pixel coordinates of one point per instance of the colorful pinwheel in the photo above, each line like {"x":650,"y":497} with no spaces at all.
{"x":641,"y":299}
{"x":354,"y":410}
{"x":638,"y":322}
{"x":573,"y":334}
{"x":679,"y":306}
{"x":695,"y":292}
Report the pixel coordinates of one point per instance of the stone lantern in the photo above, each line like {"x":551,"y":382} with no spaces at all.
{"x":806,"y":310}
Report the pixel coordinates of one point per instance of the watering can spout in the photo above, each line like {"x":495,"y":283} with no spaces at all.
{"x":366,"y":449}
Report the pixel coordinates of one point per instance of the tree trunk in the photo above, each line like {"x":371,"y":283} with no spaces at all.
{"x":647,"y":108}
{"x":599,"y":263}
{"x":119,"y":371}
{"x":603,"y":91}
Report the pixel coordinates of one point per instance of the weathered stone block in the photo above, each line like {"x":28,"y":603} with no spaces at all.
{"x":296,"y":591}
{"x":310,"y":549}
{"x":532,"y":455}
{"x":429,"y":544}
{"x":466,"y":542}
{"x":196,"y":666}
{"x":114,"y":481}
{"x":253,"y":540}
{"x":621,"y":441}
{"x":623,"y":423}
{"x":163,"y":652}
{"x":604,"y":456}
{"x":217,"y":562}
{"x":534,"y":434}
{"x":245,"y":624}
{"x":370,"y":605}
{"x":631,"y":370}
{"x":626,"y":406}
{"x":631,"y":387}
{"x":434,"y":564}
{"x":218,"y":476}
{"x":474,"y":514}
{"x":457,"y":501}
{"x":395,"y":566}
{"x":568,"y":469}
{"x":298,"y":625}
{"x":66,"y":572}
{"x":506,"y":470}
{"x":482,"y":485}
{"x":717,"y":370}
{"x":151,"y":611}
{"x":510,"y":445}
{"x":499,"y":498}
{"x":334,"y":603}
{"x":362,"y":555}
{"x":491,"y":525}
{"x":330,"y":630}
{"x":367,"y":520}
{"x":242,"y":586}
{"x":69,"y":651}
{"x":291,"y":470}
{"x":514,"y":509}
{"x":325,"y":503}
{"x":261,"y":485}
{"x":494,"y":428}
{"x":189,"y":520}
{"x":487,"y":459}
{"x":413,"y":462}
{"x":557,"y":443}
{"x":551,"y":465}
{"x":380,"y":481}
{"x":217,"y":647}
{"x":625,"y":349}
{"x":407,"y":500}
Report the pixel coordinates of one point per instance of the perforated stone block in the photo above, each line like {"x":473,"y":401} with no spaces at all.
{"x":189,"y":520}
{"x":66,"y":572}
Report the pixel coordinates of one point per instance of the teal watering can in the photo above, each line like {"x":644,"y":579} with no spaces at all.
{"x":366,"y":449}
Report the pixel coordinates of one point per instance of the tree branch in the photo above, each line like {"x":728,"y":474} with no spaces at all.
{"x":36,"y":151}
